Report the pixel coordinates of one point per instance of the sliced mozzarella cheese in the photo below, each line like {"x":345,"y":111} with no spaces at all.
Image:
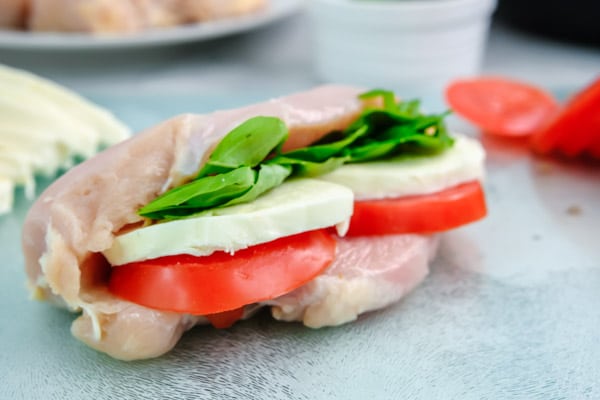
{"x":40,"y":150}
{"x":43,"y":126}
{"x":298,"y":205}
{"x":53,"y":96}
{"x":16,"y":168}
{"x":413,"y":175}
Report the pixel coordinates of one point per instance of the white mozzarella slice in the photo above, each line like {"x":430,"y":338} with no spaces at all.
{"x":413,"y":175}
{"x":298,"y":205}
{"x":42,"y":152}
{"x":17,"y":168}
{"x":53,"y":97}
{"x":44,"y":126}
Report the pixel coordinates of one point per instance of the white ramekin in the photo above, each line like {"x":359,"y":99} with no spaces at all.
{"x":407,"y":45}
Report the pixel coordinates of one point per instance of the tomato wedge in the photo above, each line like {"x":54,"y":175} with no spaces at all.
{"x":429,"y":213}
{"x":223,"y":282}
{"x":575,"y":129}
{"x":500,"y":106}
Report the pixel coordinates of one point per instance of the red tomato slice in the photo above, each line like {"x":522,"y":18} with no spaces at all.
{"x":594,"y":149}
{"x":222,"y":282}
{"x":576,"y":128}
{"x":428,"y":213}
{"x":500,"y":106}
{"x":225,"y":319}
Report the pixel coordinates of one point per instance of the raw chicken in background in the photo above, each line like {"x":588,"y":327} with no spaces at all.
{"x":122,"y":16}
{"x":12,"y":13}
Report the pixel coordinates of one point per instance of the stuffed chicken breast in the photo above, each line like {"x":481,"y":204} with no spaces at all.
{"x":205,"y":218}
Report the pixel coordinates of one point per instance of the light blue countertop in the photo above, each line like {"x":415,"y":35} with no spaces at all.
{"x":509,"y":311}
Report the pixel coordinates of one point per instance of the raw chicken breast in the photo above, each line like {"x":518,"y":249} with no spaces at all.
{"x":102,"y":16}
{"x":110,"y":16}
{"x":12,"y":13}
{"x":203,"y":10}
{"x":368,"y":273}
{"x":78,"y":216}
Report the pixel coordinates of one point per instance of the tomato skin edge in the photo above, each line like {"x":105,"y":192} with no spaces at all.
{"x":500,"y":106}
{"x":445,"y":210}
{"x":575,"y":129}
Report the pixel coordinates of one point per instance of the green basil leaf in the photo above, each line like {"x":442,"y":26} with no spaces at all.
{"x":269,"y":176}
{"x":428,"y":121}
{"x":398,"y":133}
{"x":202,"y":193}
{"x":309,"y":168}
{"x":218,"y":189}
{"x":321,"y":152}
{"x":379,"y":120}
{"x":409,"y":109}
{"x":246,"y":145}
{"x":372,"y":151}
{"x":399,"y":139}
{"x":170,"y":213}
{"x":423,"y":144}
{"x":389,"y":99}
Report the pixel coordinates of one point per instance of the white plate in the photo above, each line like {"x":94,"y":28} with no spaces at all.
{"x":202,"y":31}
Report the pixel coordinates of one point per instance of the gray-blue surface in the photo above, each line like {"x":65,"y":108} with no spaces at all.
{"x":509,"y":311}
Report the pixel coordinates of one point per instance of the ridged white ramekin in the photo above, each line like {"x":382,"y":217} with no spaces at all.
{"x":412,"y":45}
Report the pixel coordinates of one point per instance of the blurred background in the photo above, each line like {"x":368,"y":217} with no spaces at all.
{"x":557,"y":49}
{"x":574,"y":21}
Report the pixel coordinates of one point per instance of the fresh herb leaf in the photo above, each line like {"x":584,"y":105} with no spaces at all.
{"x":201,"y":194}
{"x":399,"y":133}
{"x":246,"y":145}
{"x":322,"y":152}
{"x":428,"y":121}
{"x":409,"y":109}
{"x":378,"y":120}
{"x":389,"y":99}
{"x":309,"y":168}
{"x":372,"y":151}
{"x":269,"y":176}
